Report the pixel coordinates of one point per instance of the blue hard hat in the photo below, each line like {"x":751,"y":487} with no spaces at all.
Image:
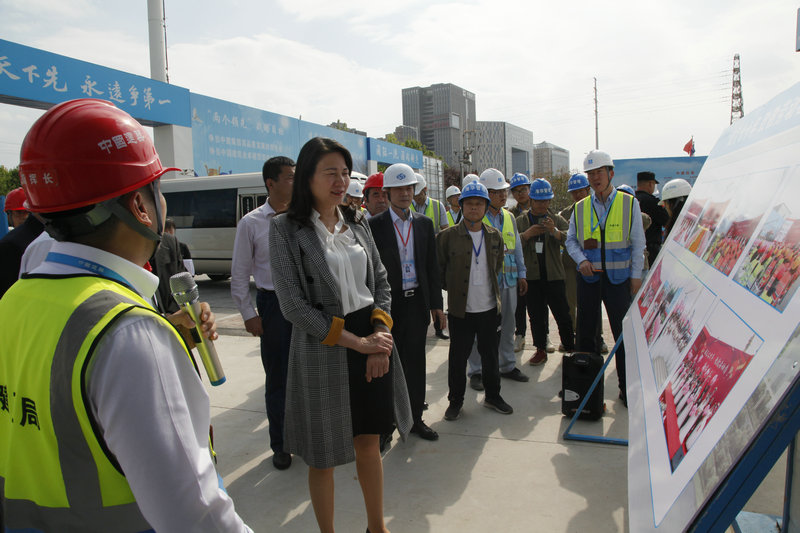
{"x":626,"y":188}
{"x":577,"y":181}
{"x":474,"y":189}
{"x":519,"y":179}
{"x":541,"y":190}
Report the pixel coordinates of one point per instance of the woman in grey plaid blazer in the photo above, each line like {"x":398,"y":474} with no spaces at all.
{"x":332,"y":410}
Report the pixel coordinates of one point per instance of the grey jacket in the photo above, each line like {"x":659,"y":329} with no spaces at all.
{"x":318,"y":425}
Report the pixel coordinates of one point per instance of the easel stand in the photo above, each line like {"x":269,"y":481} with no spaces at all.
{"x":593,"y":438}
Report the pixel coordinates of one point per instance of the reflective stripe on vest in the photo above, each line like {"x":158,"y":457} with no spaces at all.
{"x":59,"y":475}
{"x":510,"y":244}
{"x":614,"y":239}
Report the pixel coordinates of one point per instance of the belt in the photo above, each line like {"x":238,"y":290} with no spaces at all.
{"x":409,"y":293}
{"x":266,"y":291}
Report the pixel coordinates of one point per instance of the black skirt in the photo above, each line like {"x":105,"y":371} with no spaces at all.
{"x":371,"y":404}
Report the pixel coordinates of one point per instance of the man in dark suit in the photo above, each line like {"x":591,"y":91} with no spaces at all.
{"x":14,"y":243}
{"x":405,"y":240}
{"x":645,"y":187}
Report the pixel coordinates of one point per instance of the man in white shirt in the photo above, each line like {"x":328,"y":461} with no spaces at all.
{"x":251,"y":258}
{"x":606,"y":240}
{"x":106,"y":409}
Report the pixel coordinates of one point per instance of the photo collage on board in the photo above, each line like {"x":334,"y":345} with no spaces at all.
{"x":704,"y":377}
{"x":771,"y":265}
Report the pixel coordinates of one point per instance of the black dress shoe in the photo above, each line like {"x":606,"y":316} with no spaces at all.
{"x":442,"y":335}
{"x":281,"y":460}
{"x":424,"y":431}
{"x":515,"y":375}
{"x":424,"y":406}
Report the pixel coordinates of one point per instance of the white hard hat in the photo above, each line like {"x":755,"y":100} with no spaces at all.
{"x":675,"y":189}
{"x":469,"y":178}
{"x":421,"y":183}
{"x":452,"y":191}
{"x":597,"y":159}
{"x":355,"y":188}
{"x":398,"y":175}
{"x":493,"y":179}
{"x":359,"y":176}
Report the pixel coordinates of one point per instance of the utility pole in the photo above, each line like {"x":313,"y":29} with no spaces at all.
{"x":737,"y":106}
{"x":596,"y":125}
{"x":465,"y":158}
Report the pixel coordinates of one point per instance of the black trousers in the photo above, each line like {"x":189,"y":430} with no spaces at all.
{"x":617,"y":299}
{"x":541,"y":295}
{"x":486,"y":326}
{"x":275,"y":358}
{"x":410,"y":329}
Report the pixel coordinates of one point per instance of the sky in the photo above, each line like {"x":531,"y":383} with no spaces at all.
{"x":663,"y":69}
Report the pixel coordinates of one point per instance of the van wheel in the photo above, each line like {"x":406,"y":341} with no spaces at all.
{"x":219,"y":277}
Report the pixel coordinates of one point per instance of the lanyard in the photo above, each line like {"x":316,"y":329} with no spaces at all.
{"x":85,"y":264}
{"x":480,"y":246}
{"x":408,"y":234}
{"x":605,"y":215}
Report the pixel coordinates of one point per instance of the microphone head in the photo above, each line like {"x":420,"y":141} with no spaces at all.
{"x":183,"y":288}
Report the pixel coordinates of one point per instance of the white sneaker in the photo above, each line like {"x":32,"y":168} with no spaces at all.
{"x":550,"y":347}
{"x":519,"y":343}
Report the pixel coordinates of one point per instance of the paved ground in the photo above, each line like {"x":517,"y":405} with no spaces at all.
{"x":487,"y":472}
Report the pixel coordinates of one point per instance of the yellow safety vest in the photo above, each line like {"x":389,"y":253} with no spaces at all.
{"x":57,"y":473}
{"x":450,"y":220}
{"x":510,"y":244}
{"x":613,"y":250}
{"x":433,"y":212}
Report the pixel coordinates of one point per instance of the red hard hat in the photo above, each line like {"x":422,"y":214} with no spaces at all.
{"x":374,"y":182}
{"x":83,"y":152}
{"x":15,"y":200}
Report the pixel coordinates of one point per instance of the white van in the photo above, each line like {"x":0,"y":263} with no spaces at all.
{"x":206,"y":210}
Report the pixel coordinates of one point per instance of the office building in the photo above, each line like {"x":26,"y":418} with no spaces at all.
{"x":404,"y":133}
{"x":549,"y":160}
{"x":503,"y":146}
{"x":442,"y":113}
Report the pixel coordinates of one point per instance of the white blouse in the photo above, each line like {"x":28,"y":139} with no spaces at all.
{"x":347,"y":260}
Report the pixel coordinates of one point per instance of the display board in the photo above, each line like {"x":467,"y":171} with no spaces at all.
{"x":712,"y":337}
{"x":33,"y":77}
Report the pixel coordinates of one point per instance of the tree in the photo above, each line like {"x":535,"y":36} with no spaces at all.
{"x":452,"y":177}
{"x":561,"y":198}
{"x":9,"y":179}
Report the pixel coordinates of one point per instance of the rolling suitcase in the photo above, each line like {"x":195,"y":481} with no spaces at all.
{"x":578,"y":371}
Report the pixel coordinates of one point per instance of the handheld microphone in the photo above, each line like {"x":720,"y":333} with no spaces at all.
{"x":184,"y":290}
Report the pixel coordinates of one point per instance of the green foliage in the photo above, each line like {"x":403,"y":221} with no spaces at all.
{"x":9,"y":179}
{"x":338,"y":125}
{"x":561,"y":198}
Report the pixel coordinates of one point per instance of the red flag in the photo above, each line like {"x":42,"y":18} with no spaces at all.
{"x":689,"y":147}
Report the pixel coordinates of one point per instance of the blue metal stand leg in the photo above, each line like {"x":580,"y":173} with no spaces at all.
{"x":592,"y":438}
{"x":787,"y":494}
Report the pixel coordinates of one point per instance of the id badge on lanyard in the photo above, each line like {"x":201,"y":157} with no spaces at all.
{"x":409,"y":272}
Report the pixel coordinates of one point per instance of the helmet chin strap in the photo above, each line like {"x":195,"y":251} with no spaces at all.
{"x":127,"y":217}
